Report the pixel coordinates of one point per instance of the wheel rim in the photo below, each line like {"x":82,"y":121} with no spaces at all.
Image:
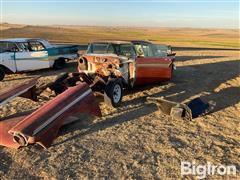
{"x":117,"y":93}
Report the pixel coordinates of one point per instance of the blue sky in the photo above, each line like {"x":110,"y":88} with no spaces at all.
{"x":158,"y":13}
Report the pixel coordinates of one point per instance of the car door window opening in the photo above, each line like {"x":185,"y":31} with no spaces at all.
{"x":30,"y":46}
{"x":8,"y":47}
{"x":35,"y":46}
{"x":127,"y":50}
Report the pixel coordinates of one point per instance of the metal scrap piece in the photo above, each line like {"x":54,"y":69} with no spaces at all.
{"x":26,"y":89}
{"x":42,"y":125}
{"x":185,"y":111}
{"x":173,"y":109}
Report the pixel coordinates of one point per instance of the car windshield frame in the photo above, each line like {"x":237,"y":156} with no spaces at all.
{"x":30,"y":46}
{"x":115,"y":49}
{"x":8,"y":48}
{"x":105,"y":49}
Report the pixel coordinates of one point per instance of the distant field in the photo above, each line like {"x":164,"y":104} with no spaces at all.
{"x":225,"y":38}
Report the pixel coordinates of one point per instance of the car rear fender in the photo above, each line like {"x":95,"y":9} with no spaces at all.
{"x":42,"y":125}
{"x":26,"y":89}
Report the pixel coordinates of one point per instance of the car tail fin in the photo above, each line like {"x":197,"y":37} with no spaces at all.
{"x":26,"y":89}
{"x":42,"y":125}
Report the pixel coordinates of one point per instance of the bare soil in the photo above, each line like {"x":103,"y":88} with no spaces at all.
{"x":136,"y":141}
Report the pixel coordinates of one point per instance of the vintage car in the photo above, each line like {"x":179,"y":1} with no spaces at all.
{"x":121,"y":64}
{"x":25,"y":54}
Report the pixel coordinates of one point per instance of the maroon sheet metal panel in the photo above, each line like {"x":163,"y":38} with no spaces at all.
{"x":6,"y":124}
{"x":42,"y":125}
{"x":153,"y":70}
{"x":26,"y":89}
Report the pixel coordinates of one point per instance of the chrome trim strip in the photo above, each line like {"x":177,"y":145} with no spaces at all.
{"x":50,"y":120}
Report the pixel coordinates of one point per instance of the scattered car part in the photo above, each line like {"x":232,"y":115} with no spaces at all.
{"x":198,"y":107}
{"x":185,"y":111}
{"x":112,"y":89}
{"x":2,"y":73}
{"x":26,"y":89}
{"x":42,"y":126}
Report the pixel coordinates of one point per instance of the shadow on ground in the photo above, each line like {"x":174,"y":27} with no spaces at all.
{"x":187,"y":58}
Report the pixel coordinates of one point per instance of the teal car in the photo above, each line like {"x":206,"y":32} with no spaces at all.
{"x":25,"y":54}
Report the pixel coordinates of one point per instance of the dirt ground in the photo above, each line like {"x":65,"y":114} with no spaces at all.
{"x":136,"y":141}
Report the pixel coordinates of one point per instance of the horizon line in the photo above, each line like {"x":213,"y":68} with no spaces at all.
{"x":122,"y":26}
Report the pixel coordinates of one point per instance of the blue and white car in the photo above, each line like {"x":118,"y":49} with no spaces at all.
{"x":25,"y":54}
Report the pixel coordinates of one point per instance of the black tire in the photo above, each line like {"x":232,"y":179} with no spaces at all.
{"x":172,"y":72}
{"x":57,"y":85}
{"x":2,"y":73}
{"x":59,"y":63}
{"x":113,"y":93}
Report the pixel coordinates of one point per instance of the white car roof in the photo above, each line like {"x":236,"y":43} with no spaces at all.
{"x":19,"y":39}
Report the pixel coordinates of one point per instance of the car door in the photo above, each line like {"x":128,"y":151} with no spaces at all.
{"x":7,"y":55}
{"x":150,"y":69}
{"x":32,"y":56}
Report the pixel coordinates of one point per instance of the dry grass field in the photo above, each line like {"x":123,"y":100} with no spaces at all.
{"x":136,"y":141}
{"x":84,"y":34}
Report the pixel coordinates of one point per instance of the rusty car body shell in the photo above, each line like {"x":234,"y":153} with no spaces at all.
{"x":137,"y":70}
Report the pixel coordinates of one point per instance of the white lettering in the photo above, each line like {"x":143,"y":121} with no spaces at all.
{"x":202,"y":171}
{"x":186,"y":168}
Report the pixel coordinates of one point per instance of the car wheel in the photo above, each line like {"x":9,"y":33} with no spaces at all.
{"x":2,"y":73}
{"x":172,"y":71}
{"x":59,"y":63}
{"x":57,"y":85}
{"x":113,"y":93}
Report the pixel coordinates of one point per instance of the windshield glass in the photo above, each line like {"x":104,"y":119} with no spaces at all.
{"x":151,"y":50}
{"x":8,"y":47}
{"x":108,"y":48}
{"x":159,"y":50}
{"x":100,"y":48}
{"x":35,"y":46}
{"x":126,"y":50}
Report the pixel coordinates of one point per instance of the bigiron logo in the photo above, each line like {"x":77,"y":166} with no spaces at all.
{"x":202,"y":171}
